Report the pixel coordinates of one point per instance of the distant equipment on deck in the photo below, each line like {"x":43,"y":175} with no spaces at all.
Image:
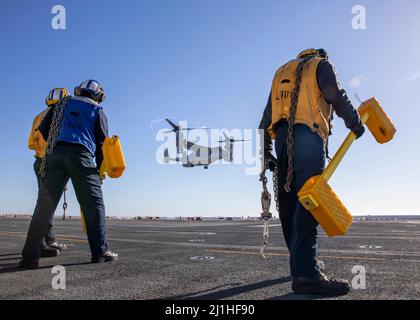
{"x":318,"y":197}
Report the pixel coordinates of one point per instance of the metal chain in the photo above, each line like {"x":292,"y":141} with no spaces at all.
{"x":53,"y":133}
{"x":265,"y":215}
{"x":265,"y":197}
{"x":291,"y":122}
{"x":64,"y":203}
{"x":276,"y":187}
{"x":266,"y":236}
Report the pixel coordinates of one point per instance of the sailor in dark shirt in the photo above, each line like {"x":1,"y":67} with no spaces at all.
{"x":319,"y":97}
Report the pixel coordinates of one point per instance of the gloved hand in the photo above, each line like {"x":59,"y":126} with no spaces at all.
{"x":359,"y":132}
{"x":101,"y":177}
{"x":270,"y":161}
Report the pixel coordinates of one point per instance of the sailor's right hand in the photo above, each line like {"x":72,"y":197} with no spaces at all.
{"x":101,"y":177}
{"x":270,"y":161}
{"x":359,"y":132}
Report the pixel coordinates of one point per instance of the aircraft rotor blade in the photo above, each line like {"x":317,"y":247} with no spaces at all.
{"x":232,"y":140}
{"x":188,"y":129}
{"x":185,"y":129}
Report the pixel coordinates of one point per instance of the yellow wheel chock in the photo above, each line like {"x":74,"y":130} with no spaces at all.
{"x":318,"y":197}
{"x":113,"y":164}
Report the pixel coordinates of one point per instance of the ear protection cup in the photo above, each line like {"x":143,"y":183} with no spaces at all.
{"x":322,"y":53}
{"x":100,"y":95}
{"x":77,"y":91}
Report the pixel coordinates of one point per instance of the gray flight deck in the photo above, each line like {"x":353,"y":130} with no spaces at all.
{"x":156,"y":261}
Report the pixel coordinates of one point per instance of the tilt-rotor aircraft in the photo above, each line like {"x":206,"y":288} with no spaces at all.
{"x":191,"y":155}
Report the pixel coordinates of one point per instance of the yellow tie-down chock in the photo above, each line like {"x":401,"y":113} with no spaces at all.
{"x":318,"y":197}
{"x":113,"y":164}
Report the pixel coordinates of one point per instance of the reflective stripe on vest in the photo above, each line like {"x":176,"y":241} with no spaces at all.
{"x":78,"y":126}
{"x":312,"y":110}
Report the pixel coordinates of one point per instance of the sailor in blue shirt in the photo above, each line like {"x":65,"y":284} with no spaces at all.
{"x":77,"y":155}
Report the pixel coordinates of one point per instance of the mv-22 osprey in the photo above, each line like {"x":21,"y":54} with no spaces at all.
{"x":193,"y":155}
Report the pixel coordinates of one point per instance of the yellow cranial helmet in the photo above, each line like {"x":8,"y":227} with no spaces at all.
{"x":56,"y":95}
{"x":313,"y":52}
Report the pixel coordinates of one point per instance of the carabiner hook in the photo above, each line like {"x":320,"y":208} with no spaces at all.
{"x":266,"y":237}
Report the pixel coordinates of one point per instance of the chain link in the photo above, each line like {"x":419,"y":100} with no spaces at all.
{"x":53,"y":133}
{"x":64,"y":203}
{"x":276,"y":187}
{"x":291,"y":122}
{"x":265,"y":197}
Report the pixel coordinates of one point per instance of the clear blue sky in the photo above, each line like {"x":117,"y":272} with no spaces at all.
{"x":210,"y":62}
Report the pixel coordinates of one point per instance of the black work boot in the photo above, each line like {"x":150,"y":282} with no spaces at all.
{"x":321,"y":285}
{"x":48,"y":252}
{"x":58,"y":246}
{"x":105,"y":257}
{"x":28,"y":264}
